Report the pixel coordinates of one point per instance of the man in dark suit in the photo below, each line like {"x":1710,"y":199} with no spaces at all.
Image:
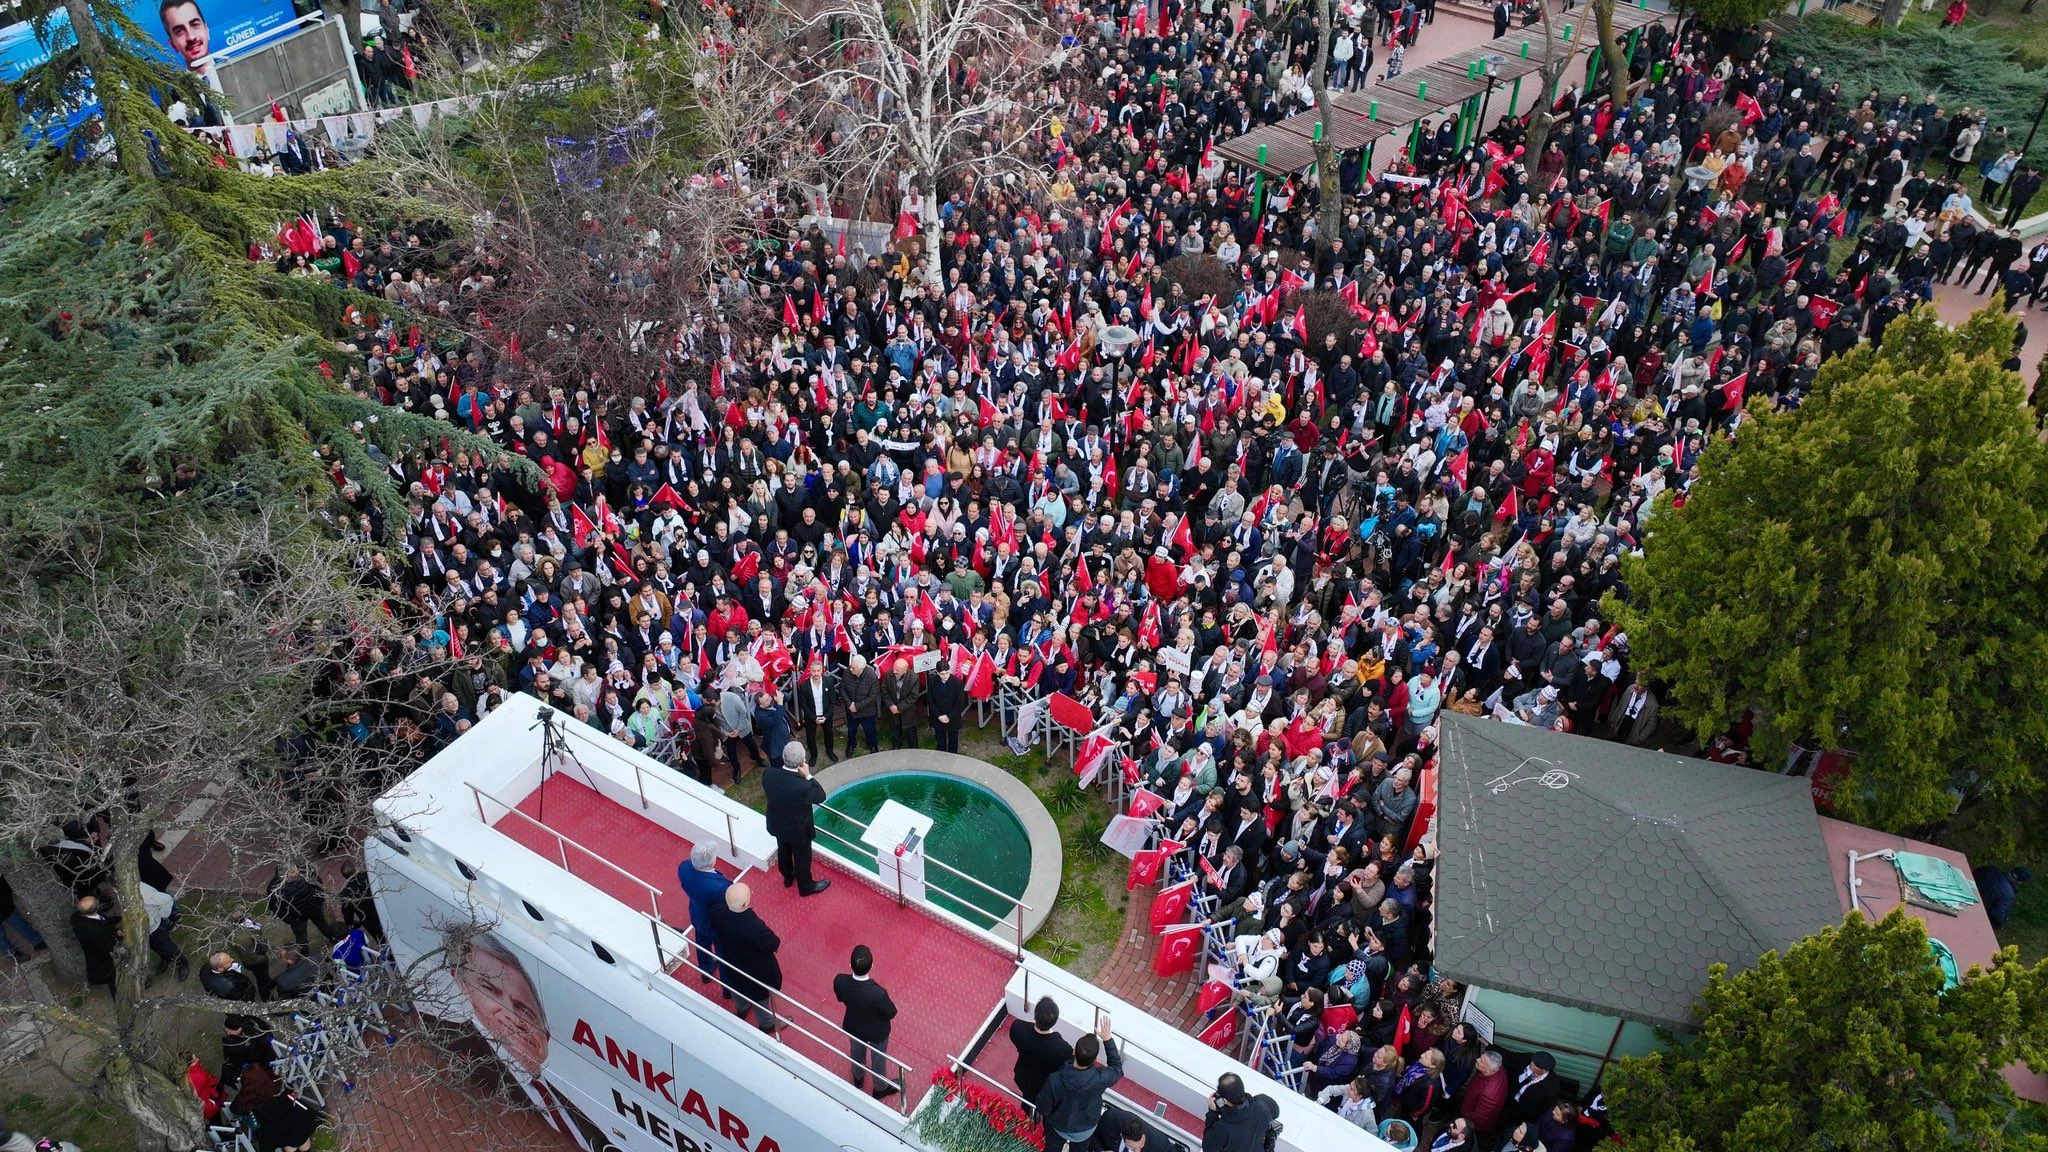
{"x":791,"y":793}
{"x":816,"y":703}
{"x":1535,"y":1091}
{"x":1485,"y":662}
{"x":868,"y":1013}
{"x":97,"y":937}
{"x":1040,"y":1048}
{"x":947,"y":700}
{"x":1502,"y":15}
{"x":746,"y":954}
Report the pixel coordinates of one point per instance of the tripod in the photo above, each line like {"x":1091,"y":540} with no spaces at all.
{"x":553,"y":744}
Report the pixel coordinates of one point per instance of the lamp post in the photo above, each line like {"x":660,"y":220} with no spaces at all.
{"x":2038,"y":112}
{"x":1492,"y":78}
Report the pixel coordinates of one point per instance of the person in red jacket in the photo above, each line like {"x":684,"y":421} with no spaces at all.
{"x":1486,"y":1094}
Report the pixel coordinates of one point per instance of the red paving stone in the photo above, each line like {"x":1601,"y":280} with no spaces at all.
{"x":1127,"y":974}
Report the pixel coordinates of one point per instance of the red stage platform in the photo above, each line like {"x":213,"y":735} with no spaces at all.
{"x":945,"y":981}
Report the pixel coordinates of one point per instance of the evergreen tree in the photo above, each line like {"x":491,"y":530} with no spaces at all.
{"x":1846,"y":1041}
{"x":1867,"y":572}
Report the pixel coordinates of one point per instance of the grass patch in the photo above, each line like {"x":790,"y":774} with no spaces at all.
{"x":93,"y":1126}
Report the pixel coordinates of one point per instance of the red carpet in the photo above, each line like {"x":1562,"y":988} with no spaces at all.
{"x":944,"y":981}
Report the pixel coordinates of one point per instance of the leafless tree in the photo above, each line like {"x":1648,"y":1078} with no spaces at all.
{"x":931,"y":91}
{"x":1557,"y":57}
{"x":1610,"y":51}
{"x":1331,"y":200}
{"x":607,"y":248}
{"x":167,"y":689}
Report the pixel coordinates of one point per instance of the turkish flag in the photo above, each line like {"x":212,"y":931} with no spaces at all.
{"x":1145,"y":868}
{"x":1144,"y":802}
{"x":1213,"y":993}
{"x":1223,"y":1033}
{"x":1731,"y":393}
{"x":981,"y":679}
{"x":1508,"y":509}
{"x":580,"y":526}
{"x":1339,"y":1018}
{"x":1457,"y":465}
{"x":1179,"y":948}
{"x":789,"y":319}
{"x":1170,"y":907}
{"x":1184,"y":539}
{"x":746,"y":566}
{"x":667,"y":495}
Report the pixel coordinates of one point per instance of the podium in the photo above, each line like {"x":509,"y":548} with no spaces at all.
{"x":897,"y":835}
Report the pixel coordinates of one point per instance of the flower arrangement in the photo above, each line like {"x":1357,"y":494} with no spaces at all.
{"x":962,"y":1116}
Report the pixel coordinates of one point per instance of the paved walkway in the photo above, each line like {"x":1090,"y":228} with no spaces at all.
{"x":1127,"y":974}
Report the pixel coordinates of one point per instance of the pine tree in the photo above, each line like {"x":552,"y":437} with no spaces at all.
{"x":1868,"y":572}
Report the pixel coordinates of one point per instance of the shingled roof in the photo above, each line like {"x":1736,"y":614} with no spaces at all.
{"x":1609,"y":878}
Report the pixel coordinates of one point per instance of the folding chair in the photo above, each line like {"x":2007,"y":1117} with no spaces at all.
{"x":230,"y":1138}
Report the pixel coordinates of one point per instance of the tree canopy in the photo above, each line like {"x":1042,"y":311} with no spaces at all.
{"x":1867,"y":572}
{"x":1846,"y":1041}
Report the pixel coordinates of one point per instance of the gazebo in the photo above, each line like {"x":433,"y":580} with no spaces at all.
{"x":1584,"y":888}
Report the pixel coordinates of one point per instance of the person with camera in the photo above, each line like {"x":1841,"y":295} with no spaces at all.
{"x":1238,"y":1121}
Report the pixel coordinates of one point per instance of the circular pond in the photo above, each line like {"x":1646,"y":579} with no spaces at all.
{"x":972,"y":830}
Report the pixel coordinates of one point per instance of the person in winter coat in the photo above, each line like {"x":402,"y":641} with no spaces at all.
{"x":1070,"y":1104}
{"x":1485,"y":1097}
{"x":1336,"y":1062}
{"x":300,"y":902}
{"x":899,"y":700}
{"x":746,"y":951}
{"x":705,"y":887}
{"x":860,"y":690}
{"x":1237,"y":1121}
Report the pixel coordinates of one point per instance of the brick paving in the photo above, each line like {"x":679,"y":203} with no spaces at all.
{"x":1127,"y":974}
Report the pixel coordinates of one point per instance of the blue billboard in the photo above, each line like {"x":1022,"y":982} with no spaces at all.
{"x":184,"y":32}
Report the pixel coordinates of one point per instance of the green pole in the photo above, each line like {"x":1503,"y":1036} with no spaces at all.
{"x":1415,"y":142}
{"x":1514,"y":97}
{"x":1258,"y":197}
{"x":1525,"y":49}
{"x":1422,"y":90}
{"x":1635,"y":40}
{"x":1592,"y":64}
{"x":1365,"y":169}
{"x":1317,"y":135}
{"x":1472,"y":70}
{"x":1262,"y":155}
{"x":1372,"y":111}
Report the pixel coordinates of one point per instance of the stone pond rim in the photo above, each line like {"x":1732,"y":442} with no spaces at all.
{"x":1043,"y":886}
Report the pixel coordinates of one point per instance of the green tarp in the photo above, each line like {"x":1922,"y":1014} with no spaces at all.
{"x":1951,"y":975}
{"x":1936,"y":879}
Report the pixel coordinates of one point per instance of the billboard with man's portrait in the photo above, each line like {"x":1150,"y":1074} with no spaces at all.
{"x":186,"y":32}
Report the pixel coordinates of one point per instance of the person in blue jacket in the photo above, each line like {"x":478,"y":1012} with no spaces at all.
{"x":705,"y":886}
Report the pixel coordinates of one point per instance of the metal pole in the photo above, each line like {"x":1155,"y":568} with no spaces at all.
{"x":1491,"y":79}
{"x":562,"y":847}
{"x":2029,"y":145}
{"x":641,"y":784}
{"x":1514,"y":97}
{"x":732,"y":845}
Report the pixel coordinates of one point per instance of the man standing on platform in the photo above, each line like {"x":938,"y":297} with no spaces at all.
{"x":948,"y":700}
{"x":868,"y":1013}
{"x":705,"y":886}
{"x":791,"y":794}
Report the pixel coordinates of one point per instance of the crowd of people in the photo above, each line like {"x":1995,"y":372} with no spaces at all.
{"x":1337,"y":485}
